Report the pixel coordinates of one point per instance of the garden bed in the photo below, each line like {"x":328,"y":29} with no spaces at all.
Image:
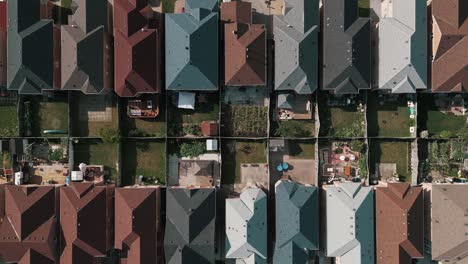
{"x":245,"y":121}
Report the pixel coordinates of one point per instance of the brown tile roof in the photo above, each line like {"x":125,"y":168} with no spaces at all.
{"x":138,"y":231}
{"x":449,"y":207}
{"x":86,"y":218}
{"x":27,"y":224}
{"x":450,"y":45}
{"x":209,"y":128}
{"x":137,"y":49}
{"x":399,"y":218}
{"x":245,"y":46}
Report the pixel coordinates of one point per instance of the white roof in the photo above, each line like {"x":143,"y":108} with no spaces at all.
{"x":211,"y":144}
{"x":186,"y":100}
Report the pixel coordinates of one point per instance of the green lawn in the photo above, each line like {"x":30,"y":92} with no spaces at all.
{"x":391,"y":152}
{"x":301,"y":149}
{"x":364,"y":8}
{"x":236,"y":152}
{"x":168,"y":6}
{"x":9,"y":124}
{"x":145,"y":127}
{"x":144,"y":157}
{"x":438,"y":122}
{"x":341,"y":121}
{"x":293,"y":128}
{"x":95,"y":152}
{"x":53,"y":116}
{"x":245,"y":121}
{"x":388,"y":120}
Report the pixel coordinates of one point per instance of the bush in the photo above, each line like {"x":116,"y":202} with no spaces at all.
{"x":445,"y":134}
{"x":357,"y":145}
{"x":109,"y":135}
{"x":56,"y":154}
{"x":191,"y":129}
{"x":291,"y":129}
{"x":193,"y":149}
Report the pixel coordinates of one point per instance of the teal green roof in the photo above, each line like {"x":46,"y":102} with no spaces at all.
{"x":297,"y":222}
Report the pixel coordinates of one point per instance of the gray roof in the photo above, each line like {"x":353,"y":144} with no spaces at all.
{"x":296,"y":46}
{"x":346,"y":53}
{"x":29,"y":48}
{"x":192,"y":49}
{"x":350,"y":223}
{"x":285,"y":100}
{"x":246,"y":227}
{"x":402,"y":47}
{"x":297,"y":222}
{"x":190,"y":225}
{"x":83,"y":47}
{"x":191,"y":5}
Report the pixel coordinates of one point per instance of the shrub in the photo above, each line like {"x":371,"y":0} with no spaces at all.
{"x":357,"y":145}
{"x":109,"y":135}
{"x":191,"y":129}
{"x":445,"y":134}
{"x":192,"y":149}
{"x":56,"y":154}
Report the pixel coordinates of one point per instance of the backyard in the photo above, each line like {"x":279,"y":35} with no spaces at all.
{"x":183,"y":122}
{"x":387,"y":118}
{"x":441,"y":121}
{"x":145,"y":127}
{"x":96,"y":152}
{"x":43,"y":113}
{"x":95,"y":114}
{"x":236,"y":152}
{"x":301,"y":149}
{"x":391,"y":152}
{"x":144,"y":157}
{"x":293,"y":128}
{"x":9,"y":113}
{"x":244,"y":121}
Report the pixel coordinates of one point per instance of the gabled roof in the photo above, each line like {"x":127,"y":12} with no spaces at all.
{"x":138,"y":224}
{"x":190,"y":225}
{"x":27,"y":229}
{"x":450,"y":45}
{"x":192,"y":49}
{"x":83,"y":56}
{"x":30,"y":48}
{"x":137,"y":49}
{"x":346,"y":55}
{"x":86,"y":219}
{"x":296,"y":46}
{"x":404,"y":32}
{"x":449,"y":205}
{"x":297,"y":222}
{"x":192,"y":5}
{"x":399,"y":217}
{"x":246,"y":227}
{"x":245,"y":46}
{"x":350,"y":223}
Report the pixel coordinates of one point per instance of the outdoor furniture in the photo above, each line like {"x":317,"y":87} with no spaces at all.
{"x":279,"y":168}
{"x":285,"y":166}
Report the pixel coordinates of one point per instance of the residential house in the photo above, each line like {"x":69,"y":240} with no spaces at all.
{"x":296,"y":46}
{"x":192,"y":47}
{"x":137,"y":48}
{"x":85,"y":50}
{"x":349,"y":223}
{"x":447,"y":221}
{"x":401,"y":31}
{"x":28,"y":224}
{"x":190,"y":225}
{"x":30,"y":48}
{"x":86,"y":220}
{"x":138,"y":228}
{"x":346,"y":61}
{"x":244,"y":45}
{"x":246,"y":227}
{"x":297,"y":222}
{"x":449,"y":45}
{"x":399,"y":218}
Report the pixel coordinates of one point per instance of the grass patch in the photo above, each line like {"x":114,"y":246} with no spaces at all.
{"x":301,"y":149}
{"x":391,"y":152}
{"x":95,"y":152}
{"x":341,"y":122}
{"x":235,"y":152}
{"x":145,"y":127}
{"x":364,"y":8}
{"x":9,"y":124}
{"x":168,"y":6}
{"x":144,"y":157}
{"x":245,"y":121}
{"x":89,"y":105}
{"x":388,"y":120}
{"x":293,"y":128}
{"x":438,"y":122}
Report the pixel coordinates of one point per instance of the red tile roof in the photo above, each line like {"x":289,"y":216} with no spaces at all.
{"x":245,"y":46}
{"x":27,"y":224}
{"x":86,"y":218}
{"x":399,"y":218}
{"x":137,"y":49}
{"x":138,"y":231}
{"x":209,"y":128}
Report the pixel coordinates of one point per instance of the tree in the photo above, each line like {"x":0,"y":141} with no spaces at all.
{"x":192,"y":149}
